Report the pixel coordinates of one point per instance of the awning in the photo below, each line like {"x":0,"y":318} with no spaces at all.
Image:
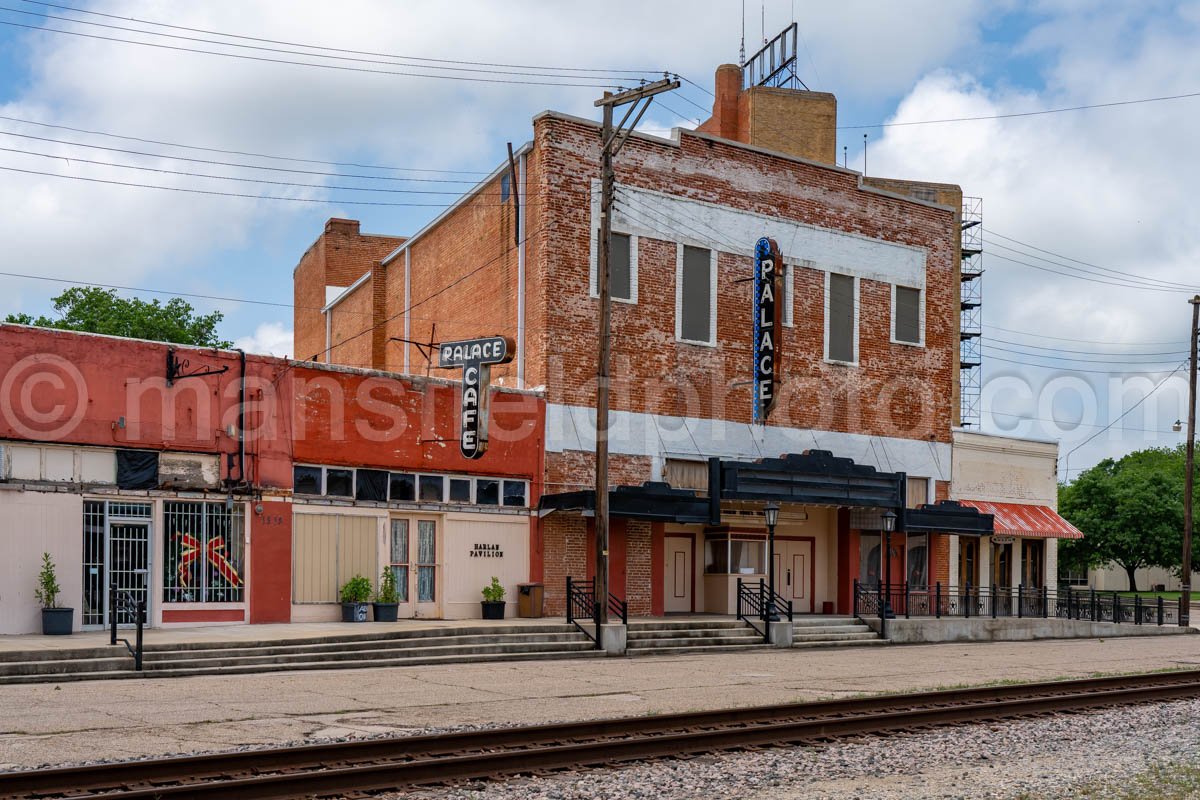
{"x":1019,"y":519}
{"x":948,"y":516}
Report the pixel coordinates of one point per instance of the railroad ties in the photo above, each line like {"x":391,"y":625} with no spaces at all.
{"x":396,"y":763}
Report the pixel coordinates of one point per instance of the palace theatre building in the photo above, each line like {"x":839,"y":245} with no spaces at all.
{"x":865,"y":361}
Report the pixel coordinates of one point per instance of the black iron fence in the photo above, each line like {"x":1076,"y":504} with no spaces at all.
{"x":757,"y":605}
{"x":888,"y":601}
{"x":582,"y":605}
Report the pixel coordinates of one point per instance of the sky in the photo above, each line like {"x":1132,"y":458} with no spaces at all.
{"x":1091,"y":238}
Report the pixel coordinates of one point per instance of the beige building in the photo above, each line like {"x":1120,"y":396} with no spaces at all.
{"x":1016,"y":481}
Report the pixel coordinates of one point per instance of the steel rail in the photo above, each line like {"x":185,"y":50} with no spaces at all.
{"x":393,"y":763}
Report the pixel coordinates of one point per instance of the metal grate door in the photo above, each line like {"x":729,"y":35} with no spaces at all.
{"x":129,"y":567}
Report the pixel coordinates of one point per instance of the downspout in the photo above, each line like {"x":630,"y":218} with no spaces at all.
{"x":241,"y":423}
{"x":407,"y":303}
{"x":521,"y":204}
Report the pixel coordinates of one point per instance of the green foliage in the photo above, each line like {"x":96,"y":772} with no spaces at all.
{"x":356,"y":590}
{"x":493,"y":593}
{"x":387,"y":587}
{"x":1130,"y":511}
{"x":95,"y":310}
{"x":48,"y":588}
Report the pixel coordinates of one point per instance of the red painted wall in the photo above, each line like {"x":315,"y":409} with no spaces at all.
{"x":72,"y":388}
{"x":271,"y":563}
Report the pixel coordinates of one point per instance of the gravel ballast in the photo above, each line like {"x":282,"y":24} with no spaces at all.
{"x":1094,"y":754}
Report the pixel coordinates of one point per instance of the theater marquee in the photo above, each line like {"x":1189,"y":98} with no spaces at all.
{"x":767,"y":324}
{"x":475,"y":356}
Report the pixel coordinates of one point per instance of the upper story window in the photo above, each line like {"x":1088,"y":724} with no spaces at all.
{"x":841,"y":318}
{"x":381,"y":486}
{"x":908,"y":323}
{"x":696,"y":296}
{"x":622,"y":268}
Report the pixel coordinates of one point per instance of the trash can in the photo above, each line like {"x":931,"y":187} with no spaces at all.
{"x":529,"y":599}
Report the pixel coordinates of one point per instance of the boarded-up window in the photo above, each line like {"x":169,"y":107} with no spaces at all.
{"x":695,"y":295}
{"x":684,"y":474}
{"x":908,"y":315}
{"x":620,"y":267}
{"x":840,"y":314}
{"x":918,"y":492}
{"x":328,"y":550}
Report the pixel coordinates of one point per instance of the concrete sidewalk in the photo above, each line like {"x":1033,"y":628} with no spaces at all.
{"x":50,"y":723}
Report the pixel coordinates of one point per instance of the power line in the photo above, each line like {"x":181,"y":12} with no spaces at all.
{"x":334,"y":49}
{"x":276,"y":49}
{"x":165,"y":171}
{"x":1075,"y":369}
{"x":991,"y":232}
{"x":319,"y":201}
{"x":1083,"y":352}
{"x":1130,"y":410}
{"x":1078,"y":359}
{"x":269,"y":60}
{"x":1079,"y":424}
{"x":250,"y":154}
{"x":1133,"y":281}
{"x":1023,"y":113}
{"x":1090,"y":277}
{"x":212,"y":162}
{"x":1082,"y":341}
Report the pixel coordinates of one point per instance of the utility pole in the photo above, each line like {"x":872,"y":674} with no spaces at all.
{"x":1185,"y":593}
{"x":611,"y":141}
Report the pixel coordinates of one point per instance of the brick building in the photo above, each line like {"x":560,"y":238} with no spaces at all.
{"x":220,"y":487}
{"x":868,"y":400}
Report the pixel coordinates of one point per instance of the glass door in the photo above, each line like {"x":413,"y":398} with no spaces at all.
{"x":414,"y":559}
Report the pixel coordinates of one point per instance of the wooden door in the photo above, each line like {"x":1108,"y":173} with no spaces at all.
{"x":677,"y":581}
{"x":968,"y":562}
{"x":793,"y":574}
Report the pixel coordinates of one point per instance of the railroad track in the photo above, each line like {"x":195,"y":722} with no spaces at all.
{"x":395,"y":763}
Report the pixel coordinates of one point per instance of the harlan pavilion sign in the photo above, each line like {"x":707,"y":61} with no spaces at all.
{"x":475,"y":356}
{"x":767,"y":323}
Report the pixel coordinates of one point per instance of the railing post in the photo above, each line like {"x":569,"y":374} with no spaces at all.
{"x":1116,"y":614}
{"x":141,"y":621}
{"x":993,"y":601}
{"x":1160,"y":609}
{"x":1093,"y":604}
{"x":967,"y":600}
{"x":1070,"y":603}
{"x":112,"y":613}
{"x":1137,"y":609}
{"x":570,"y":599}
{"x":854,"y":602}
{"x":906,"y":599}
{"x":762,"y":600}
{"x":937,"y":601}
{"x":1020,"y":600}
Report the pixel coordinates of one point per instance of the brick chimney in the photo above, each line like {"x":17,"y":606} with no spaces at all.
{"x":793,"y":121}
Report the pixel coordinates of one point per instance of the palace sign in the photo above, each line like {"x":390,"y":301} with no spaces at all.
{"x":767,"y":323}
{"x":475,"y":356}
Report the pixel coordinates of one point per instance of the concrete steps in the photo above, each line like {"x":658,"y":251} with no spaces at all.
{"x":679,"y":637}
{"x":351,"y":651}
{"x":832,"y":632}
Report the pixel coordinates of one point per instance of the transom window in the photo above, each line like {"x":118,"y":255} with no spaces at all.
{"x":381,"y":486}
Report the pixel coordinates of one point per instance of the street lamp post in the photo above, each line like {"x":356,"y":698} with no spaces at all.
{"x":889,"y":525}
{"x":771,"y":514}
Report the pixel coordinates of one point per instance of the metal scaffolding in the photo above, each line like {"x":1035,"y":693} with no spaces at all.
{"x":970,"y":329}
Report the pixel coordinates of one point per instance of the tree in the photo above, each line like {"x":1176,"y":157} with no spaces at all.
{"x":1130,"y":512}
{"x":95,"y":310}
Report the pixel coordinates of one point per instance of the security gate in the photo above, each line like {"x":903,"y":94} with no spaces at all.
{"x":116,"y":555}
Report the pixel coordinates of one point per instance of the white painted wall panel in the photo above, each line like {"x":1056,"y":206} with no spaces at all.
{"x":642,"y":212}
{"x":32,"y":523}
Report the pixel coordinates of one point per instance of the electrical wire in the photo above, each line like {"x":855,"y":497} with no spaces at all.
{"x":1048,"y":357}
{"x":1130,"y":410}
{"x":1133,"y":281}
{"x":261,"y":48}
{"x":990,"y":232}
{"x":333,"y":49}
{"x":245,"y":153}
{"x":1084,"y":352}
{"x":1090,"y":278}
{"x":318,"y":201}
{"x":268,"y":60}
{"x":1083,"y":341}
{"x":1077,"y":369}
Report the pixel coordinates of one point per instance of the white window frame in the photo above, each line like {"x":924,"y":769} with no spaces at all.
{"x":712,"y":294}
{"x":920,"y":317}
{"x":857,"y":308}
{"x":593,"y":267}
{"x":789,"y":293}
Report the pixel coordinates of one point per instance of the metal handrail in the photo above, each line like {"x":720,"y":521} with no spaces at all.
{"x":581,"y":604}
{"x":127,"y":603}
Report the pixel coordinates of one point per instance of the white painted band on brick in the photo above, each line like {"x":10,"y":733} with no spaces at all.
{"x":674,"y":219}
{"x":655,"y":435}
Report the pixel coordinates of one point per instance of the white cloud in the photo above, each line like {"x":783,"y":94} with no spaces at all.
{"x":269,"y":338}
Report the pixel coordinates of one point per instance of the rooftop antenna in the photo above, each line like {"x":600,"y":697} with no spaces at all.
{"x":864,"y":154}
{"x":742,"y":50}
{"x":764,"y":21}
{"x":845,"y":156}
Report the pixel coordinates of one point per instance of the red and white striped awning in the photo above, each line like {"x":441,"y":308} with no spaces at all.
{"x":1019,"y":519}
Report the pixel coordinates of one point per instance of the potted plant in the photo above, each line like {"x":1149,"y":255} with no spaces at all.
{"x":354,"y":594}
{"x":56,"y":621}
{"x":387,"y":599}
{"x":493,"y":600}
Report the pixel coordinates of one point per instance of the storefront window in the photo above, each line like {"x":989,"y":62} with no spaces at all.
{"x":432,"y":488}
{"x":918,"y":561}
{"x":514,"y":493}
{"x":487,"y":492}
{"x":204,"y":547}
{"x":460,"y":490}
{"x":734,"y":557}
{"x":869,"y":559}
{"x":716,"y":556}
